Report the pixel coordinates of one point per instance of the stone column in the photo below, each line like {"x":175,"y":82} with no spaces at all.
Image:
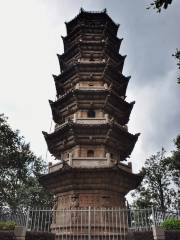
{"x":158,"y":233}
{"x":70,"y":160}
{"x":20,"y":232}
{"x":74,"y":118}
{"x":106,"y":117}
{"x":108,"y":157}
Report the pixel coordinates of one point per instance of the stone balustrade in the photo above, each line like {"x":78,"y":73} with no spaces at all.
{"x":90,"y":162}
{"x":90,"y":120}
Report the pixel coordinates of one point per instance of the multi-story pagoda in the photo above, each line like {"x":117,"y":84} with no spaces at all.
{"x":91,"y":138}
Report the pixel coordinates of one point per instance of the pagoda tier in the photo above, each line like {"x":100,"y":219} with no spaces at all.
{"x":71,"y":104}
{"x":91,"y":74}
{"x":104,"y":187}
{"x":82,"y":34}
{"x":111,"y":135}
{"x":91,"y":20}
{"x":90,"y":51}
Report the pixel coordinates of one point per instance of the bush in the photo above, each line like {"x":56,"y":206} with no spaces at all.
{"x":7,"y":225}
{"x":39,"y":236}
{"x":171,"y":224}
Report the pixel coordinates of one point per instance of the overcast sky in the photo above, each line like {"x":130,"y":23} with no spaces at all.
{"x":30,"y":38}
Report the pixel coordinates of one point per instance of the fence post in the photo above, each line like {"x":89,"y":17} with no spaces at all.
{"x":89,"y":223}
{"x":27,"y":218}
{"x":153,"y":216}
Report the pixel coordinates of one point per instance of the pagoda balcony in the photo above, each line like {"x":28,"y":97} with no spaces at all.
{"x":83,"y":121}
{"x":91,"y":87}
{"x":90,"y":162}
{"x":90,"y":121}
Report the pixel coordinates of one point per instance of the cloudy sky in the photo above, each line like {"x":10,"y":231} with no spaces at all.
{"x":30,"y":38}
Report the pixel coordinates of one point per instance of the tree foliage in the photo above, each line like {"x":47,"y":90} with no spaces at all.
{"x":177,"y":56}
{"x":159,"y":4}
{"x":173,"y":163}
{"x":19,"y":172}
{"x":158,"y":187}
{"x":176,"y":155}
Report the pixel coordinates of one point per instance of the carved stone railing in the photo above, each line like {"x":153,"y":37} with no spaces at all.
{"x":55,"y":167}
{"x":90,"y":162}
{"x":91,"y":120}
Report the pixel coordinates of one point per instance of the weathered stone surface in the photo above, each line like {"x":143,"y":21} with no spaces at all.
{"x":100,"y":187}
{"x":91,"y":113}
{"x":20,"y":232}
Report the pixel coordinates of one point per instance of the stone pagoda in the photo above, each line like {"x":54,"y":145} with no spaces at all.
{"x":91,"y":138}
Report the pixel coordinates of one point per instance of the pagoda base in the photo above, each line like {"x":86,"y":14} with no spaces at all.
{"x":84,"y":187}
{"x":88,"y":200}
{"x":85,"y":198}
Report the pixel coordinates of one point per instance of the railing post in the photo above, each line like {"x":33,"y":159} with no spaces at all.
{"x":27,"y":218}
{"x":89,"y":223}
{"x":153,"y":217}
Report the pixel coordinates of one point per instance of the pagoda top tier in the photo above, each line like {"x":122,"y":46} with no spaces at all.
{"x":89,"y":17}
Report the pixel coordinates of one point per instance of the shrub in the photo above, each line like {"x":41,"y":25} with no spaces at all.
{"x":7,"y":225}
{"x":171,"y":224}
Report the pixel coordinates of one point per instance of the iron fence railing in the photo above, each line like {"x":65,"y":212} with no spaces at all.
{"x":19,"y":218}
{"x":90,"y":223}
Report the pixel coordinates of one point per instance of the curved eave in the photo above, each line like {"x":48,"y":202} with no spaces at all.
{"x":103,"y":68}
{"x":119,"y":84}
{"x":68,"y":125}
{"x":76,"y":68}
{"x":50,"y":180}
{"x":112,"y":104}
{"x":58,"y":85}
{"x":110,"y":134}
{"x":70,"y":39}
{"x":78,"y":49}
{"x":112,"y":70}
{"x":107,"y":93}
{"x":90,"y":16}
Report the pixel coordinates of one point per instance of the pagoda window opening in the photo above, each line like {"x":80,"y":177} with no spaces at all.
{"x":91,"y":114}
{"x":90,"y":153}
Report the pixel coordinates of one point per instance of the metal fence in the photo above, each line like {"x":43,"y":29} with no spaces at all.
{"x":91,"y":223}
{"x":19,"y":218}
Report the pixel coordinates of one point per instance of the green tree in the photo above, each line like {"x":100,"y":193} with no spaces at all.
{"x":177,"y":56}
{"x":159,"y":4}
{"x":19,"y":172}
{"x":174,"y":166}
{"x":157,"y":187}
{"x":176,"y":154}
